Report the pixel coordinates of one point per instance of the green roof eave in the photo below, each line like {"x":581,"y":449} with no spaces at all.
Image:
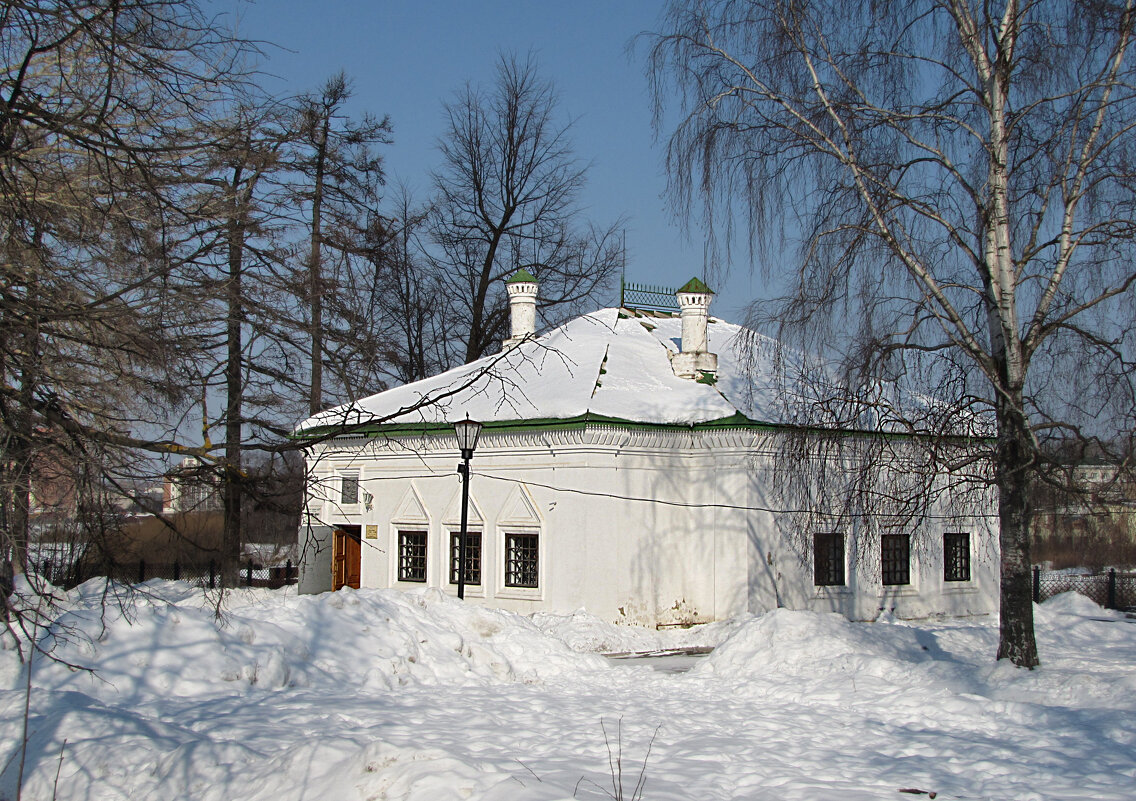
{"x":734,"y":421}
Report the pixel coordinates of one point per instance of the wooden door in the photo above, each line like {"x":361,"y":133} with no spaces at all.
{"x":346,"y":559}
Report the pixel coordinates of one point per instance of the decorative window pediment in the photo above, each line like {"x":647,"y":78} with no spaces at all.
{"x":410,"y":508}
{"x":454,"y":510}
{"x":519,"y":509}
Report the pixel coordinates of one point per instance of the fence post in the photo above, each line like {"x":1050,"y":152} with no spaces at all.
{"x":1111,"y":588}
{"x":141,"y":570}
{"x":288,"y":572}
{"x":248,"y":583}
{"x":1036,"y":584}
{"x":177,"y":571}
{"x":212,"y":575}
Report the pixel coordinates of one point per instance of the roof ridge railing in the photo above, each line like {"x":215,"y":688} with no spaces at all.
{"x":651,"y":297}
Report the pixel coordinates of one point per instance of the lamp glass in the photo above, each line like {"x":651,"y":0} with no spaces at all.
{"x":468,"y":431}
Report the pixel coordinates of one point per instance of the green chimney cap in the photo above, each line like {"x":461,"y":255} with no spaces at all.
{"x":522,"y":276}
{"x":694,"y":285}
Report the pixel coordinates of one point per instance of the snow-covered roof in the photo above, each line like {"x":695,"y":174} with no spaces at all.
{"x":611,"y":363}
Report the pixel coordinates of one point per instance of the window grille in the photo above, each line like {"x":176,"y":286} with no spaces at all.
{"x":472,"y":557}
{"x":521,"y":555}
{"x":412,"y":556}
{"x":349,"y":489}
{"x":828,"y":559}
{"x":895,"y":559}
{"x":956,"y":557}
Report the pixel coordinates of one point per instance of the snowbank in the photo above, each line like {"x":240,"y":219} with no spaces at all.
{"x":171,"y":639}
{"x":1084,"y":651}
{"x":586,"y":633}
{"x":378,"y":694}
{"x":815,"y":645}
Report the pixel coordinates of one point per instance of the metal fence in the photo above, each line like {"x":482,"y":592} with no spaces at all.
{"x":1110,"y":589}
{"x":66,"y":574}
{"x":647,"y":296}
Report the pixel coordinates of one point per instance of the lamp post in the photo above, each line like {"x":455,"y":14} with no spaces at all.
{"x":468,"y":431}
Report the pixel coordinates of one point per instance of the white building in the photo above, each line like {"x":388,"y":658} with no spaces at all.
{"x":623,"y":468}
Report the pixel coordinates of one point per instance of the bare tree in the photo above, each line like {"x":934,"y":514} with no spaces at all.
{"x":239,"y":288}
{"x":506,"y":200}
{"x":280,"y":169}
{"x":339,"y":189}
{"x":961,"y":178}
{"x":410,"y":298}
{"x":102,"y":109}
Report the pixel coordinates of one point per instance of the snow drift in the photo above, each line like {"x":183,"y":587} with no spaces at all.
{"x":265,"y":696}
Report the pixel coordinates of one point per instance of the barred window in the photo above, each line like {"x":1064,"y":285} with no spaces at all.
{"x":521,"y":555}
{"x":828,"y":559}
{"x":412,"y":556}
{"x":895,"y":559}
{"x":472,"y":557}
{"x":956,"y":556}
{"x":349,"y":488}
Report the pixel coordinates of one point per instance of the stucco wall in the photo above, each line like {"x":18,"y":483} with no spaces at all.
{"x":315,"y":559}
{"x":697,"y":547}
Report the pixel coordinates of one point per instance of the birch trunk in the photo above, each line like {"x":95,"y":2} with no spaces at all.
{"x":1016,"y":636}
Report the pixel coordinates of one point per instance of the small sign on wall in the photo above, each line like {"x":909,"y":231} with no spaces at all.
{"x":372,"y":532}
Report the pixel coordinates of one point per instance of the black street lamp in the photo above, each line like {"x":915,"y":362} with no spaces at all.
{"x":468,"y":431}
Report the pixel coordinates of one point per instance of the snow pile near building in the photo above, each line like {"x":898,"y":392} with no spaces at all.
{"x":815,"y":646}
{"x":586,"y":633}
{"x":1086,"y":653}
{"x":171,"y":639}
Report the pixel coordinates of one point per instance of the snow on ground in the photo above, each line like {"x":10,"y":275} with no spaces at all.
{"x":588,"y":634}
{"x":377,"y":694}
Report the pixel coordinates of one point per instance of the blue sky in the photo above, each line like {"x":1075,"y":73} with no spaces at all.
{"x":407,"y":57}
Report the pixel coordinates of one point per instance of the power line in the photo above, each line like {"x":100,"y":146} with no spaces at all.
{"x":690,"y":505}
{"x":657,"y":501}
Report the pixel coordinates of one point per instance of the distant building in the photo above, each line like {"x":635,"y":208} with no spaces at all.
{"x":52,"y":482}
{"x":190,"y":487}
{"x":1100,"y":503}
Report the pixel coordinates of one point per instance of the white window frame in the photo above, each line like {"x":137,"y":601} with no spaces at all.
{"x":410,"y":528}
{"x":842,"y":587}
{"x":344,"y":476}
{"x":471,"y":590}
{"x":520,"y":593}
{"x":915,"y":577}
{"x":970,"y":585}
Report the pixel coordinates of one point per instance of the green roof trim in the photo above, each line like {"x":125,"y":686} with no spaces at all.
{"x":522,"y":276}
{"x":734,"y":421}
{"x":695,"y":285}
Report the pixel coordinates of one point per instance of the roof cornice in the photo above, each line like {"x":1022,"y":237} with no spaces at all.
{"x":736,"y":421}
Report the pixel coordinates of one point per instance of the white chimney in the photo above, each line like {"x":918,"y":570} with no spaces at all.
{"x":693,"y":360}
{"x":522,"y":289}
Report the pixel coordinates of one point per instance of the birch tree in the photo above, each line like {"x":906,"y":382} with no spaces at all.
{"x":958,"y":179}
